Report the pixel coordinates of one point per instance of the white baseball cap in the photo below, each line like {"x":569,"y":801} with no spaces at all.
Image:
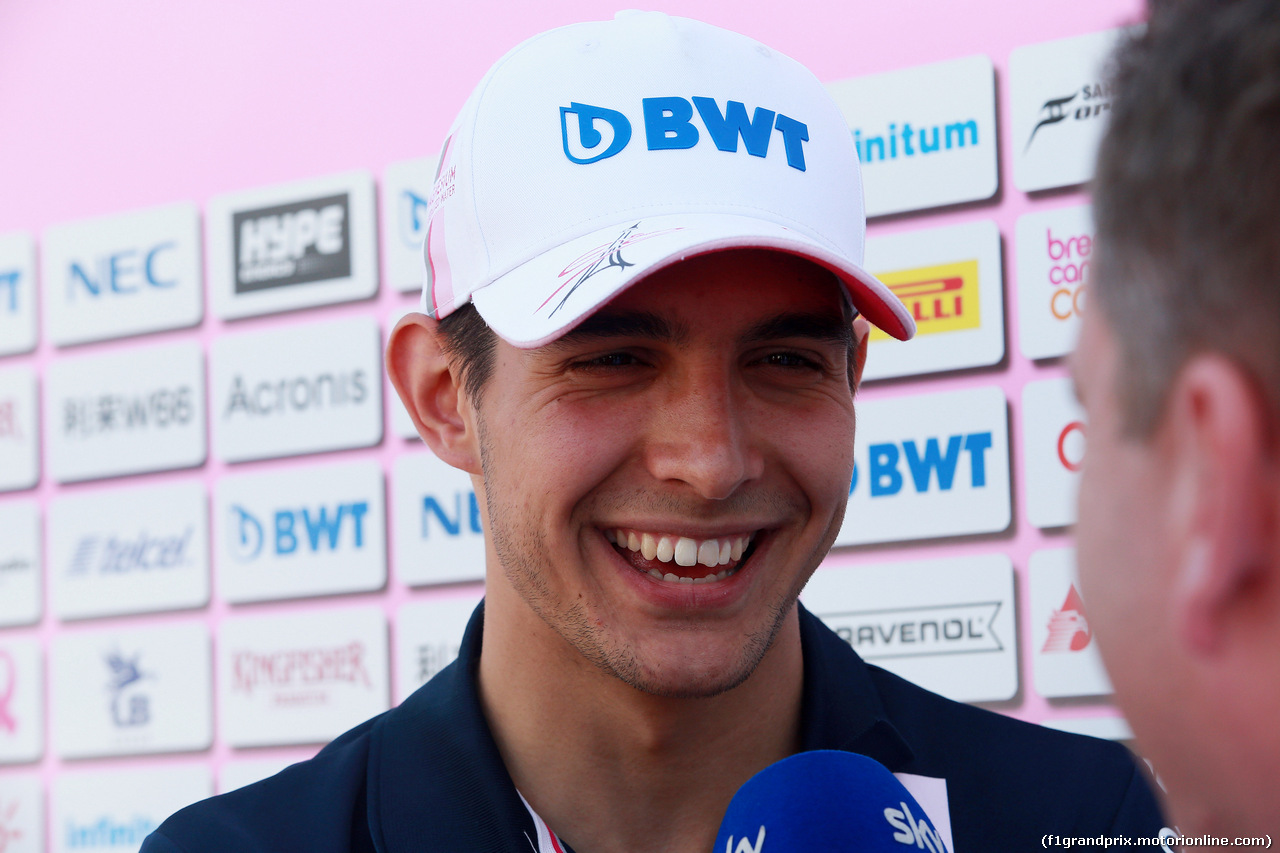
{"x":594,"y":154}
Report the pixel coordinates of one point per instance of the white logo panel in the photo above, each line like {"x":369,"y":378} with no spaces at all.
{"x":21,"y":702}
{"x":947,"y":625}
{"x":122,"y":275}
{"x":438,"y":534}
{"x":1060,"y":103}
{"x":1065,"y":658}
{"x":1053,"y":432}
{"x":1055,"y":249}
{"x":17,"y":293}
{"x":428,"y":636}
{"x":300,"y":389}
{"x":22,"y":814}
{"x":125,"y":412}
{"x":134,"y":550}
{"x":21,"y":558}
{"x":132,"y":691}
{"x":112,"y":811}
{"x":929,"y":465}
{"x":952,"y":281}
{"x":303,"y":678}
{"x":305,"y":531}
{"x":406,"y":189}
{"x":293,"y":245}
{"x":926,"y":135}
{"x":19,"y":429}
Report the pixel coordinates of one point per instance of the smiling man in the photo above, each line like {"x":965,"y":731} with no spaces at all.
{"x":642,"y":330}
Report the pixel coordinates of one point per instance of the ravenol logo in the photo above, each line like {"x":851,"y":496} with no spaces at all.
{"x":591,"y":134}
{"x":942,"y":298}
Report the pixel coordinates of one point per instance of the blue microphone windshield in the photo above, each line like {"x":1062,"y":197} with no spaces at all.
{"x":825,"y":801}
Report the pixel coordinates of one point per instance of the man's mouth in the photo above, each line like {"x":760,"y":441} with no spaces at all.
{"x":681,"y":559}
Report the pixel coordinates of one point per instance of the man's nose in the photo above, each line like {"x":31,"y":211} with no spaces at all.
{"x":702,"y":434}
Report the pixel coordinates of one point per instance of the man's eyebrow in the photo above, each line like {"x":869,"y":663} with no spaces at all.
{"x":821,"y":327}
{"x":606,"y":325}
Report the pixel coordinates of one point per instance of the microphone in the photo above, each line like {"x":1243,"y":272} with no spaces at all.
{"x":825,"y":801}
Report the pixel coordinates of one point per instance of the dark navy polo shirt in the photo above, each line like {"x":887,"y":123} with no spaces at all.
{"x":427,"y":776}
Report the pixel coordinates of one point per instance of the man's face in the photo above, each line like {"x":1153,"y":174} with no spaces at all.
{"x":662,"y":481}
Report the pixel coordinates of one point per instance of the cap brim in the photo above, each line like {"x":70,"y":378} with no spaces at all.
{"x":543,"y":298}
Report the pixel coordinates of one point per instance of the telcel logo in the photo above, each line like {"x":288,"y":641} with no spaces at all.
{"x":942,"y":298}
{"x":916,"y":833}
{"x":886,"y":477}
{"x":124,"y":272}
{"x":113,"y":555}
{"x":591,"y":134}
{"x":304,"y":530}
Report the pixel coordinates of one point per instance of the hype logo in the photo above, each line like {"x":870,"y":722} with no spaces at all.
{"x":8,"y":683}
{"x":587,"y":138}
{"x":129,"y":706}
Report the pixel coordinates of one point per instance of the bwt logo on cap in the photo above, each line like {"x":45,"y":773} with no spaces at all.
{"x":292,"y":243}
{"x":591,"y":133}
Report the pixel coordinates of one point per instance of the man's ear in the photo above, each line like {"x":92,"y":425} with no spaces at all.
{"x":432,"y":392}
{"x":1222,"y":434}
{"x":861,"y":337}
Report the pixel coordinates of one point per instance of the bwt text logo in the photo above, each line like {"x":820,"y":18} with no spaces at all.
{"x":1068,"y":273}
{"x":917,"y":833}
{"x":944,"y":629}
{"x":1094,"y":101}
{"x":298,"y":394}
{"x":308,"y":529}
{"x":942,"y":298}
{"x":124,"y":272}
{"x":451,"y":524}
{"x":916,"y":141}
{"x":83,"y":417}
{"x":1068,"y":627}
{"x":591,"y":134}
{"x":130,"y":706}
{"x":107,"y":832}
{"x":96,"y":555}
{"x":9,"y":281}
{"x":293,"y":668}
{"x":292,"y":243}
{"x":10,"y":429}
{"x":885,"y":459}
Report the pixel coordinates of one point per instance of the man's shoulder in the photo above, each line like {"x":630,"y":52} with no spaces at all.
{"x":316,"y":805}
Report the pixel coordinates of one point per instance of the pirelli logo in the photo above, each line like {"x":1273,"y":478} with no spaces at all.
{"x":941,"y":298}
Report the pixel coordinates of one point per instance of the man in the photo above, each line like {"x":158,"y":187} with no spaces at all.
{"x":1178,"y":368}
{"x":638,"y":338}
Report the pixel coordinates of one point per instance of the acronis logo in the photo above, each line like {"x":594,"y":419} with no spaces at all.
{"x":591,"y":133}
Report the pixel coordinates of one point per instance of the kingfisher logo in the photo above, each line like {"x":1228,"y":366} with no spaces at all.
{"x":299,"y":675}
{"x":1095,"y":101}
{"x":8,"y":684}
{"x":130,"y":705}
{"x":593,"y":133}
{"x":295,"y":243}
{"x":1068,"y":626}
{"x":941,"y":298}
{"x":305,"y":530}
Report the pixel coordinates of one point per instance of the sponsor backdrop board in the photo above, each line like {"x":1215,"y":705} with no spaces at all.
{"x":122,"y":275}
{"x":129,"y":411}
{"x":438,"y":535}
{"x":947,"y":624}
{"x":22,"y":813}
{"x":134,"y":550}
{"x":1055,"y":250}
{"x":1065,"y":657}
{"x":928,"y":466}
{"x":19,"y":429}
{"x":302,"y":389}
{"x":1053,"y":432}
{"x":21,"y":700}
{"x":17,"y":293}
{"x":1060,"y":101}
{"x":113,"y":810}
{"x":302,"y":678}
{"x":293,"y":245}
{"x":428,"y":635}
{"x":310,"y":531}
{"x":951,"y":280}
{"x":406,"y":196}
{"x":21,"y":557}
{"x":132,"y":691}
{"x":926,"y":135}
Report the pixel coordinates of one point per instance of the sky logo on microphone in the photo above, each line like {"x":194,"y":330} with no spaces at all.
{"x":918,"y":833}
{"x":745,"y":845}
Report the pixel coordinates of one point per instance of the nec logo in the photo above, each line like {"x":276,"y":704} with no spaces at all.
{"x":305,"y":530}
{"x":886,"y":474}
{"x":451,"y":523}
{"x":591,"y":133}
{"x":123,"y":272}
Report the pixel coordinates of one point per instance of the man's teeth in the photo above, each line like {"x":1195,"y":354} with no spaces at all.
{"x":684,"y":551}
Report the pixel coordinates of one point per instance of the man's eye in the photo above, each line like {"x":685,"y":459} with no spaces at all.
{"x":612,"y":359}
{"x":788,"y":359}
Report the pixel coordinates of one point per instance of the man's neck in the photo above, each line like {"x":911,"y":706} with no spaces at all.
{"x":611,"y":768}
